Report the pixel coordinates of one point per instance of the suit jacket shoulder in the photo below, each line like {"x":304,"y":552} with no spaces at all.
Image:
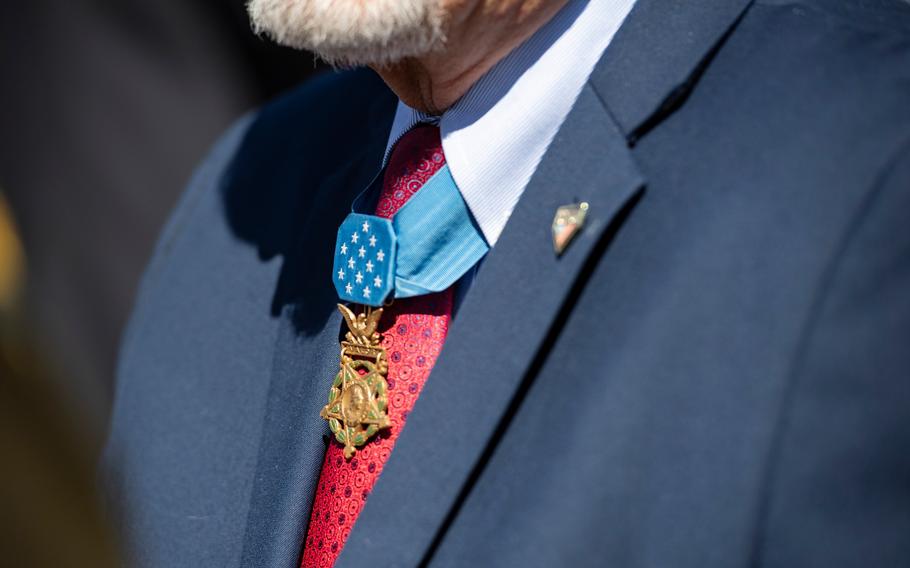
{"x":875,"y":17}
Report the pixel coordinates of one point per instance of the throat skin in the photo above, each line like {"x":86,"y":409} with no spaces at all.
{"x":480,"y":33}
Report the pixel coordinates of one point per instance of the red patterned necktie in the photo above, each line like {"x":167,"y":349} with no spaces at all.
{"x":413,"y":330}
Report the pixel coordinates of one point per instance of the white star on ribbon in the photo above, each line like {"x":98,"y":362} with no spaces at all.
{"x":341,"y":273}
{"x":377,"y":282}
{"x":344,"y":248}
{"x":372,"y":240}
{"x":380,"y":256}
{"x":366,"y":227}
{"x":369,"y":266}
{"x":358,"y":277}
{"x":348,"y":288}
{"x":366,"y":292}
{"x":354,"y":238}
{"x":362,"y":252}
{"x":351,"y":263}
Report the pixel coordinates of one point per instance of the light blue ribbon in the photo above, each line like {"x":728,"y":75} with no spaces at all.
{"x":436,"y":241}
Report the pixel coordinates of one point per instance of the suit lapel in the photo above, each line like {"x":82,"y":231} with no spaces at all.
{"x":523,"y":293}
{"x":293,"y":439}
{"x":508,"y":315}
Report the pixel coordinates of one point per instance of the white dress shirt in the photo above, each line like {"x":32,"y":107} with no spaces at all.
{"x":496,"y":134}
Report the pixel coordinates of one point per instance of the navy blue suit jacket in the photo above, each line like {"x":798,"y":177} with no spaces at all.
{"x":716,"y":373}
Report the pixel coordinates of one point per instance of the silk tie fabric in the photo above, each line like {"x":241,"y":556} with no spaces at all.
{"x":413,"y":331}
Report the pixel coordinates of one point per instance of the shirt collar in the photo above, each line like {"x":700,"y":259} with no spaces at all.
{"x":496,"y":134}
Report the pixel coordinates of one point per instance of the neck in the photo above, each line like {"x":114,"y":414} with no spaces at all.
{"x":480,"y":33}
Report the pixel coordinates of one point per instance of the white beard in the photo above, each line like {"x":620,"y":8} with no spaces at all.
{"x":353,"y":32}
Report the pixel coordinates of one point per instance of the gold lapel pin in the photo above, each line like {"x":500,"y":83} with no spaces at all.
{"x":566,"y":224}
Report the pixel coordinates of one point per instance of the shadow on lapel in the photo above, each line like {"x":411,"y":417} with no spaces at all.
{"x":287,"y":190}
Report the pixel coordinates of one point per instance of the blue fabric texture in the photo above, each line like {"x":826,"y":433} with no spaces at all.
{"x":712,"y":375}
{"x":439,"y":241}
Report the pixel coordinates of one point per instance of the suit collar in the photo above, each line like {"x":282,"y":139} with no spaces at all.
{"x":657,"y":56}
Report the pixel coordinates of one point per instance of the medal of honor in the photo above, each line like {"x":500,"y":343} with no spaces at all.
{"x":364,"y":272}
{"x":357,"y":401}
{"x":428,"y":245}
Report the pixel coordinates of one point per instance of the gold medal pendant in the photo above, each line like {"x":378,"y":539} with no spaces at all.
{"x":357,"y":407}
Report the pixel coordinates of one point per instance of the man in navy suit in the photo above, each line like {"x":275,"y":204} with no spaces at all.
{"x":689,"y":341}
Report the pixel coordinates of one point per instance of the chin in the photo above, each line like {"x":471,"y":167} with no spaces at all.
{"x":353,"y":32}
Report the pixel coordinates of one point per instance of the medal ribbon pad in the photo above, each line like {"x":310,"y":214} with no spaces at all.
{"x":364,"y":267}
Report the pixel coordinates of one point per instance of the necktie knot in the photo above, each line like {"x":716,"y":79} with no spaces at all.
{"x":414,"y":159}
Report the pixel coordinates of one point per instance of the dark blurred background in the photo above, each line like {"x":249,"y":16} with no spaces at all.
{"x":105,"y":108}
